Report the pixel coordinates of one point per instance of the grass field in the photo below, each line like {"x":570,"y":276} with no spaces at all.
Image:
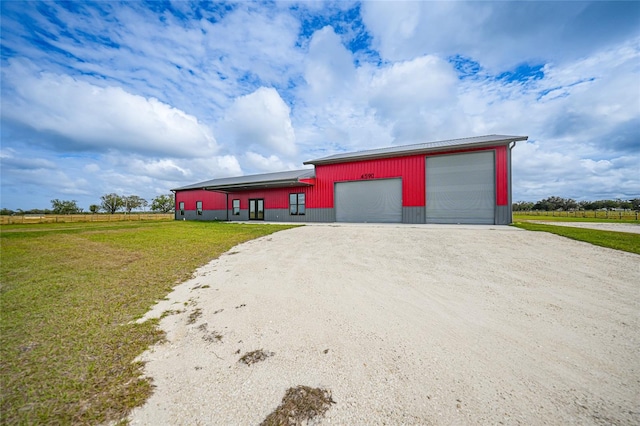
{"x":64,"y":218}
{"x":581,"y":216}
{"x":616,"y":240}
{"x":69,"y":293}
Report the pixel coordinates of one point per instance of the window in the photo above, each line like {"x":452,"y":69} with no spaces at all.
{"x":181,"y":208}
{"x":236,"y":207}
{"x":296,"y":204}
{"x":199,"y":208}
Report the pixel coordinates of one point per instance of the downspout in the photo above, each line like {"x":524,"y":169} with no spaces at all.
{"x":175,"y":205}
{"x":227,"y":206}
{"x":511,"y":146}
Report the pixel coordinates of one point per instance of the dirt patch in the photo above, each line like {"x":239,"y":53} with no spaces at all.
{"x":255,"y":356}
{"x":194,"y":315}
{"x":210,"y":337}
{"x":299,"y":405}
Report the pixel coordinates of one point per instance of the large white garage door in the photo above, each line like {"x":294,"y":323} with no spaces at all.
{"x":378,"y":201}
{"x":461,"y":188}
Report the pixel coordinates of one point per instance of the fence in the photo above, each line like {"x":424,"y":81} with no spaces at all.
{"x":598,"y":214}
{"x":52,"y":218}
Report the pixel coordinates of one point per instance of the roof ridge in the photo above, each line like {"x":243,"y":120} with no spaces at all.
{"x":426,"y":146}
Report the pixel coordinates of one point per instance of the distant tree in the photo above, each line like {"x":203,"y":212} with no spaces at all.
{"x":592,"y":205}
{"x":111,"y":203}
{"x":556,"y":203}
{"x":547,"y":204}
{"x":94,"y":208}
{"x":65,"y":207}
{"x":635,"y":203}
{"x":521,"y":206}
{"x":163,"y":203}
{"x":133,"y":202}
{"x":569,"y":204}
{"x":624,"y":204}
{"x":40,"y":211}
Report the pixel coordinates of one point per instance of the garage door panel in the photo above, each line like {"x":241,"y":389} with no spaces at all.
{"x":377,"y":201}
{"x":461,"y":188}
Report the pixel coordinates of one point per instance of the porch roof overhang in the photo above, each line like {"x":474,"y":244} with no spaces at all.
{"x":291,"y":178}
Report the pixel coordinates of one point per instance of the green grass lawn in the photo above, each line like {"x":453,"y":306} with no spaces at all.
{"x":624,"y":241}
{"x":545,"y":218}
{"x":69,"y":293}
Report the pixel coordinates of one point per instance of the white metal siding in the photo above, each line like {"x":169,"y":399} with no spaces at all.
{"x":461,"y":188}
{"x":377,"y":201}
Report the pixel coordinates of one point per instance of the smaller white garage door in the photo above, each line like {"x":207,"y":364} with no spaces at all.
{"x":373,"y":201}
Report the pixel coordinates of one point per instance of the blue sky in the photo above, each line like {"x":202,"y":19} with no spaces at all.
{"x":141,"y":97}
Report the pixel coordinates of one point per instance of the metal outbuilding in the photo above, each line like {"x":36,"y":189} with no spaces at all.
{"x":452,"y":181}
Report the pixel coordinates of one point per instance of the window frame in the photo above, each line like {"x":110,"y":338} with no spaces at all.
{"x":199,"y":208}
{"x":295,"y":206}
{"x":235,"y":210}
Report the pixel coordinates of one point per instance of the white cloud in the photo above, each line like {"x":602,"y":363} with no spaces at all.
{"x":267,"y":164}
{"x":261,"y":121}
{"x":220,"y":166}
{"x":331,"y":111}
{"x":329,"y":69}
{"x":165,"y":169}
{"x":500,"y":35}
{"x":260,"y":41}
{"x":172,"y":171}
{"x":91,"y":168}
{"x":63,"y":181}
{"x":404,"y":30}
{"x":86,"y":116}
{"x":10,"y":161}
{"x":414,"y":96}
{"x":540,"y":171}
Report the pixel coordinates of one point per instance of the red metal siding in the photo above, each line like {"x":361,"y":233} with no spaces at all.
{"x":502,"y":176}
{"x":410,"y":169}
{"x":274,"y":198}
{"x":210,"y":200}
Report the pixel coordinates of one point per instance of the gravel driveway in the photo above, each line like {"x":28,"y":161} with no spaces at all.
{"x":405,"y":325}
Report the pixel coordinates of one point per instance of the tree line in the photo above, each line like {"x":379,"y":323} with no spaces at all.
{"x":569,"y":204}
{"x":109,"y":203}
{"x":113,"y":203}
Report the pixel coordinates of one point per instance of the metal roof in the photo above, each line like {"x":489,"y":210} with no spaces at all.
{"x":265,"y":180}
{"x":420,"y":148}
